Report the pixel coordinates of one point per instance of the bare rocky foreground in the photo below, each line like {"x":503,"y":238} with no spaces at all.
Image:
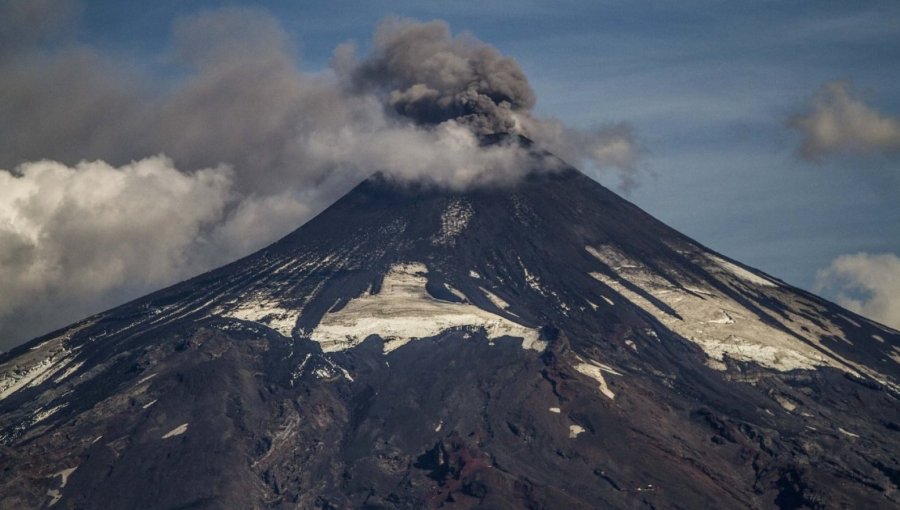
{"x":547,"y":345}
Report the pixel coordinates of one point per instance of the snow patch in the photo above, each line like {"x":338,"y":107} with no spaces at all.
{"x":177,"y":431}
{"x":555,"y":410}
{"x":55,"y":494}
{"x":595,"y":370}
{"x":264,"y":310}
{"x":404,"y":311}
{"x":454,"y":220}
{"x":574,"y":430}
{"x":788,"y":404}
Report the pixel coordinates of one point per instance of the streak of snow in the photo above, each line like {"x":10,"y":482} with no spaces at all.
{"x":18,"y":377}
{"x":555,"y":410}
{"x":531,"y":280}
{"x":69,"y":371}
{"x":43,"y":414}
{"x":404,"y":311}
{"x":895,"y":354}
{"x":145,"y":379}
{"x":148,"y":404}
{"x":177,"y":431}
{"x":851,"y":321}
{"x":495,"y":299}
{"x":847,"y":432}
{"x":456,"y":293}
{"x":740,"y":272}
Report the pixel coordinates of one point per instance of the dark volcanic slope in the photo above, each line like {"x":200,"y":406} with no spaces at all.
{"x":543,"y":346}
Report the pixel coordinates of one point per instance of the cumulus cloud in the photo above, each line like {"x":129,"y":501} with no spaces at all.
{"x":868,"y":284}
{"x":70,"y":234}
{"x":253,"y":145}
{"x":838,"y":121}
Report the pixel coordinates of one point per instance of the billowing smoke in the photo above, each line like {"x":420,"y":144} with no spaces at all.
{"x":424,"y":73}
{"x":254,"y":144}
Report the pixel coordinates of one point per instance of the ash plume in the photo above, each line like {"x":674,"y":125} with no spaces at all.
{"x":284,"y":142}
{"x":422,"y":72}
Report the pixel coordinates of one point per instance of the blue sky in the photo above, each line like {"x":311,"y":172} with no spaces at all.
{"x":708,"y":89}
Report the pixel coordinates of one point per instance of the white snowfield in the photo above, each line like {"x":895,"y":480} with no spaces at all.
{"x":722,"y":326}
{"x":266,"y":311}
{"x":404,"y":311}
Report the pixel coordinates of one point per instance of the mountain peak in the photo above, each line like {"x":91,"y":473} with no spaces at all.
{"x":537,"y":343}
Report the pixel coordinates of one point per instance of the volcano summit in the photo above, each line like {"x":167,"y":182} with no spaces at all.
{"x":541,"y":344}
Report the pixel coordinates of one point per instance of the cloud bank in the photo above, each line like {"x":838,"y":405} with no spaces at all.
{"x":868,"y":284}
{"x":120,"y":174}
{"x":838,"y":121}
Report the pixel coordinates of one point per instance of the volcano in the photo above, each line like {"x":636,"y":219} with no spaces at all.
{"x":541,"y":344}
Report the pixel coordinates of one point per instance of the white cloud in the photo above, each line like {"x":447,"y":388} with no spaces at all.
{"x":868,"y":284}
{"x":612,"y":148}
{"x":74,"y":240}
{"x":838,"y":120}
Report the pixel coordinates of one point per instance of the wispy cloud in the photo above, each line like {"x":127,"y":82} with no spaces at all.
{"x":868,"y":284}
{"x":839,"y":121}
